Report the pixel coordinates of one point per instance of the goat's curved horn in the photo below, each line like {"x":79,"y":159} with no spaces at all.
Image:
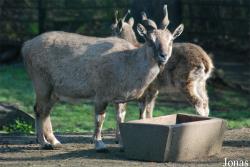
{"x":123,"y":19}
{"x":144,"y":16}
{"x":165,"y":21}
{"x":148,"y":23}
{"x":116,"y":16}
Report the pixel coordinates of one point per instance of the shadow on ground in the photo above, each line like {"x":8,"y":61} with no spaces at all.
{"x":77,"y":150}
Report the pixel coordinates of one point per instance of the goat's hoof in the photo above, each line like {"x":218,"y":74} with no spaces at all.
{"x":100,"y":147}
{"x":57,"y":146}
{"x":102,"y":150}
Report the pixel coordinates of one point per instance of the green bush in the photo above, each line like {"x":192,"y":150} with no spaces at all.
{"x":19,"y":127}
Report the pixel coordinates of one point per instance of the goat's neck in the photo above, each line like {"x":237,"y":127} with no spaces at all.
{"x":132,"y":39}
{"x":145,"y":69}
{"x":145,"y":55}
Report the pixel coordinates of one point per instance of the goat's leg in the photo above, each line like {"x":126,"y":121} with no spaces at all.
{"x":120,"y":117}
{"x":48,"y":132}
{"x":45,"y":136}
{"x":147,"y":103}
{"x":42,"y":108}
{"x":142,"y":106}
{"x":150,"y":102}
{"x":99,"y":119}
{"x":39,"y":127}
{"x":190,"y":91}
{"x":202,"y":91}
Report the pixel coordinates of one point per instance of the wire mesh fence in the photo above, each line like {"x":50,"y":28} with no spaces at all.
{"x":210,"y":22}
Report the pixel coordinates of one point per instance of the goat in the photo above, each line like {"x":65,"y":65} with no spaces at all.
{"x":124,"y":30}
{"x":67,"y":67}
{"x":186,"y":71}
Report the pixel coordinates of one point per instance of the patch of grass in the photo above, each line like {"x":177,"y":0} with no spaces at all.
{"x":19,"y":127}
{"x":230,"y":105}
{"x":15,"y":87}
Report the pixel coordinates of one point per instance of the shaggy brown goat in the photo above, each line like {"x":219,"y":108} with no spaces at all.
{"x":186,"y":71}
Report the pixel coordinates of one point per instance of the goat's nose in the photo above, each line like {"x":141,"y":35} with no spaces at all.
{"x":162,"y":55}
{"x":162,"y":58}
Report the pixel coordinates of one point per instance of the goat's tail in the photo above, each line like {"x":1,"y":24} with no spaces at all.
{"x":25,"y":52}
{"x":207,"y":63}
{"x":204,"y":67}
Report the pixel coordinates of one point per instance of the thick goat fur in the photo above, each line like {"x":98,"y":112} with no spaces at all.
{"x":186,"y":71}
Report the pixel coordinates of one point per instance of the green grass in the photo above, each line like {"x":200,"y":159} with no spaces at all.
{"x":16,"y":88}
{"x":19,"y":127}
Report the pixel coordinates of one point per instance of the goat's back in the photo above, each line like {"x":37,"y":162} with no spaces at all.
{"x":83,"y":69}
{"x":194,"y":55}
{"x":188,"y":56}
{"x":52,"y":47}
{"x":188,"y":62}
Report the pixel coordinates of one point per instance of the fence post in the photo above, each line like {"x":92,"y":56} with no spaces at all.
{"x":41,"y":16}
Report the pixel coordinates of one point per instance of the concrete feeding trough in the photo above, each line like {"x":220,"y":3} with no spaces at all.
{"x":178,"y":137}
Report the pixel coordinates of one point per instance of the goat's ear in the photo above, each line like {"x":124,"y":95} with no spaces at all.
{"x":141,"y":30}
{"x":131,"y":21}
{"x":178,"y":31}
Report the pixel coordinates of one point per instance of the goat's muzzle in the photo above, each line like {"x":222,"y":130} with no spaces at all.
{"x":162,"y":59}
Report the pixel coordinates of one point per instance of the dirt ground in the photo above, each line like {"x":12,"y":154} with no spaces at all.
{"x":77,"y":151}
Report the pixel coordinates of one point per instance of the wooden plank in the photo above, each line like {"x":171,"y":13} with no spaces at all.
{"x":235,"y":3}
{"x":86,"y":4}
